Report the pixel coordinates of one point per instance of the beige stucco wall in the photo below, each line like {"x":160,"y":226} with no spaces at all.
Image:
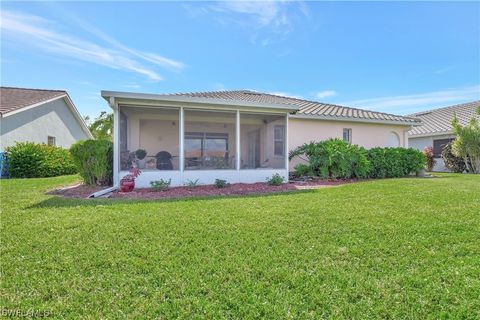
{"x":368,"y":135}
{"x":35,"y":125}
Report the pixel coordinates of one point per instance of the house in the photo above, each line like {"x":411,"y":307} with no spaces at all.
{"x":437,"y":130}
{"x":238,"y":136}
{"x":41,"y":116}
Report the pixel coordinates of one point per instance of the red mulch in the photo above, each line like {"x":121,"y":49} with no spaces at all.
{"x":76,"y":191}
{"x":83,"y":191}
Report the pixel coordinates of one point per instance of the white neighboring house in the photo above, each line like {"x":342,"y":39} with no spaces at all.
{"x":437,"y":130}
{"x":41,"y":116}
{"x":238,"y":136}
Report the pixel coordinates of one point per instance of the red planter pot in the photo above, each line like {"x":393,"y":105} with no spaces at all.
{"x":127,"y":186}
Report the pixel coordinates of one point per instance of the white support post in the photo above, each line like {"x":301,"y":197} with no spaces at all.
{"x":237,"y":140}
{"x":286,"y":144}
{"x":182,"y":153}
{"x":116,"y":141}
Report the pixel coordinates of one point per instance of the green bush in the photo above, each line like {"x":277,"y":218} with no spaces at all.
{"x":275,"y":180}
{"x":94,"y":161}
{"x":302,"y":170}
{"x":394,"y":162}
{"x":33,"y":160}
{"x":452,"y":162}
{"x":220,"y":184}
{"x":333,"y":158}
{"x":161,"y":185}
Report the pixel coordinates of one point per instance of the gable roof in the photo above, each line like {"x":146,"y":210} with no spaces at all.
{"x":13,"y":100}
{"x":439,"y":121}
{"x":301,"y":108}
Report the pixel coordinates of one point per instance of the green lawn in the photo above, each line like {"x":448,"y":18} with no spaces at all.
{"x":398,"y":249}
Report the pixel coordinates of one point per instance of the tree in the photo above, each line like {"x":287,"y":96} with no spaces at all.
{"x":467,"y":143}
{"x":102,"y":127}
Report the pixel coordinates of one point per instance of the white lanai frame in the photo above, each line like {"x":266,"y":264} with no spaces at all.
{"x":245,"y":165}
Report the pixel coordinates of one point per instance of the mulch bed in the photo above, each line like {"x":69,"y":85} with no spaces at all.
{"x":76,"y":191}
{"x":83,"y":191}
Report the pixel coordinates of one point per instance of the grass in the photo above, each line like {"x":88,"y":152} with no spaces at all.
{"x":398,"y":249}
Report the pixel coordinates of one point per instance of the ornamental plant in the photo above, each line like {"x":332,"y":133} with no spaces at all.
{"x":333,"y":158}
{"x":467,"y":143}
{"x":451,"y":161}
{"x":428,"y":152}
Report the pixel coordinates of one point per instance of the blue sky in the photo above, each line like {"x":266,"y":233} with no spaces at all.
{"x":387,"y":56}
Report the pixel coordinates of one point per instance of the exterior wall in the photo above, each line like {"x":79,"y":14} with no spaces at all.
{"x":36,"y":124}
{"x":421,"y":142}
{"x":368,"y":135}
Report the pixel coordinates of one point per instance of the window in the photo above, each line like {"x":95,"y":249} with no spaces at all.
{"x":393,"y":140}
{"x":347,"y":135}
{"x":279,"y":141}
{"x":52,"y":141}
{"x":209,"y":140}
{"x":438,"y":146}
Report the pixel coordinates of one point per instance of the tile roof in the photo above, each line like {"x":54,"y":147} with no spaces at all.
{"x":12,"y":99}
{"x":305,"y":107}
{"x":440,"y":120}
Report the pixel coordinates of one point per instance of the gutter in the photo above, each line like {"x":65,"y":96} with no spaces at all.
{"x":348,"y":119}
{"x":120,"y":97}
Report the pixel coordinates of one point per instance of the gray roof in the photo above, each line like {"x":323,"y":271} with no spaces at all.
{"x":439,"y":121}
{"x":304,"y":107}
{"x":12,"y":99}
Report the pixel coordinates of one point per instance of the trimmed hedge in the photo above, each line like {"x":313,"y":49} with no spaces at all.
{"x":333,"y":158}
{"x":33,"y":160}
{"x":94,"y":161}
{"x":395,"y":162}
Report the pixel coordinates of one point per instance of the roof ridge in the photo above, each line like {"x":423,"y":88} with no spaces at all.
{"x":443,"y":108}
{"x":336,"y":105}
{"x":36,"y":89}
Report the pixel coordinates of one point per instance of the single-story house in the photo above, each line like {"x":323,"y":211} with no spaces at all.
{"x":238,"y":136}
{"x":436,"y":130}
{"x":41,"y":116}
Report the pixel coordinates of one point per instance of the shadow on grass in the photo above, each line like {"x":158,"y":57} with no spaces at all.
{"x":60,"y":202}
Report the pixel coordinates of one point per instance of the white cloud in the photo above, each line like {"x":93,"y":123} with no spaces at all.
{"x":36,"y":31}
{"x":417,"y":102}
{"x":268,"y":21}
{"x":325,"y":94}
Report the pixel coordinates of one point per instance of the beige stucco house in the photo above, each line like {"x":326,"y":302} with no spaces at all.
{"x":238,"y":136}
{"x":41,"y":116}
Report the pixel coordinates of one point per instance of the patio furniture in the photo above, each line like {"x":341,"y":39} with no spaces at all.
{"x":164,"y":160}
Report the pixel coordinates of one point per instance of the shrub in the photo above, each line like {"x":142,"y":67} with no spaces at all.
{"x":219,"y":183}
{"x":192,"y":183}
{"x":275,"y":180}
{"x":467,"y":143}
{"x":452,"y":162}
{"x":303,"y":169}
{"x":428,"y":152}
{"x":141,"y":154}
{"x":161,"y":185}
{"x":94,"y":161}
{"x":33,"y":160}
{"x":394,"y":162}
{"x":334,"y":158}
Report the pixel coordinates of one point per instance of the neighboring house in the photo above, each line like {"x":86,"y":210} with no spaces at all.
{"x":41,"y":116}
{"x":238,"y":136}
{"x":436,"y":130}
